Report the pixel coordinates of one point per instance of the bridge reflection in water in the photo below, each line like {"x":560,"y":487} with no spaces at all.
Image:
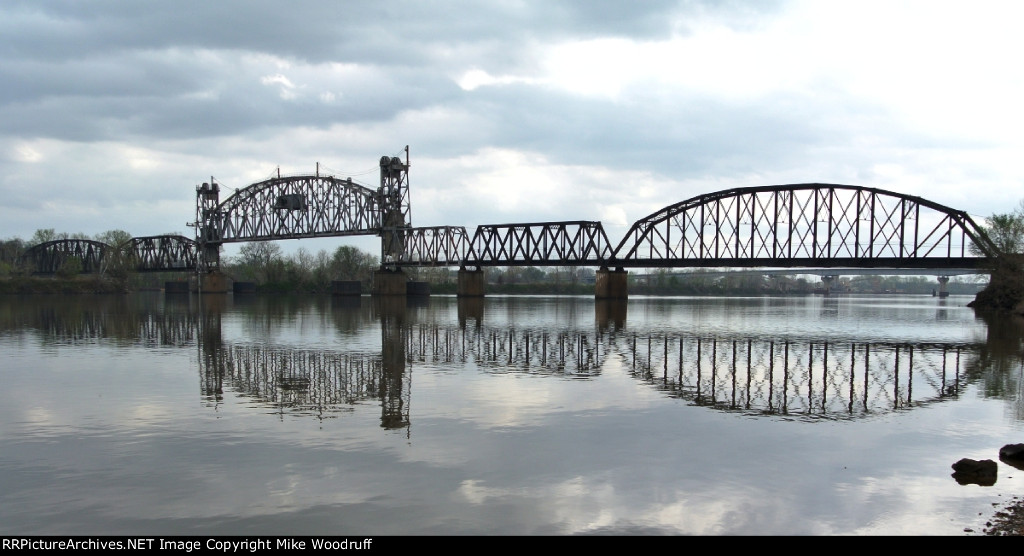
{"x":789,"y":377}
{"x":834,"y":378}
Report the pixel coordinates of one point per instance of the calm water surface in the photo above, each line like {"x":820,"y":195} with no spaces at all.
{"x":147,"y":414}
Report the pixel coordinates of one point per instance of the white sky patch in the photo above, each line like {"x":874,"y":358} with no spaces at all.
{"x":716,"y":61}
{"x":499,"y":186}
{"x":475,"y":78}
{"x":141,"y":159}
{"x":287,"y":88}
{"x":591,"y":503}
{"x":950,"y":70}
{"x":26,"y":153}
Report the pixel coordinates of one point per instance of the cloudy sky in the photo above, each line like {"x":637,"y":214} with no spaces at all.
{"x":514,"y":111}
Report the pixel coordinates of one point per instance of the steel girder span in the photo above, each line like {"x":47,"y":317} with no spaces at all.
{"x":293,"y":207}
{"x":431,"y":246}
{"x":805,"y":225}
{"x":573,"y":243}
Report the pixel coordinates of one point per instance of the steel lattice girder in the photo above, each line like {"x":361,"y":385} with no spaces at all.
{"x":49,"y":257}
{"x":161,"y":253}
{"x":554,"y":243}
{"x":804,"y":225}
{"x":297,"y":207}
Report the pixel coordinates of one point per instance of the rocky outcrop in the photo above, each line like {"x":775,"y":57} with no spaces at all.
{"x":978,"y":472}
{"x":1013,"y":455}
{"x":1012,"y":452}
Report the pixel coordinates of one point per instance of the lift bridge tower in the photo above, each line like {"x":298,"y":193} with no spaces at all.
{"x":396,"y":216}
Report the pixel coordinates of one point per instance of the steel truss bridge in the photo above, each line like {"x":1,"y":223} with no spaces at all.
{"x":811,"y":225}
{"x":782,"y":226}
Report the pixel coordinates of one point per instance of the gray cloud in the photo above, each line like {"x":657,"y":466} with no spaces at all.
{"x":202,"y":88}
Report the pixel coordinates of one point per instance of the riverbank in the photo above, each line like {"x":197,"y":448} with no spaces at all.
{"x":21,"y":285}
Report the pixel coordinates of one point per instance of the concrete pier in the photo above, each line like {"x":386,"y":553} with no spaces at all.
{"x":389,"y":282}
{"x":471,"y":283}
{"x":176,"y":287}
{"x":213,"y":282}
{"x":829,"y":281}
{"x":611,"y":284}
{"x":418,"y":289}
{"x":943,"y":286}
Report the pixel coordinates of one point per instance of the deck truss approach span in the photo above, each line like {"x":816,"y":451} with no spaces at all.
{"x":805,"y":225}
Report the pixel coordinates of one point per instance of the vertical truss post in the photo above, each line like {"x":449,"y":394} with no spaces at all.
{"x":208,"y":234}
{"x":395,"y":206}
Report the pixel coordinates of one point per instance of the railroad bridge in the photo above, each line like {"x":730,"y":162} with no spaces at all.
{"x":796,"y":226}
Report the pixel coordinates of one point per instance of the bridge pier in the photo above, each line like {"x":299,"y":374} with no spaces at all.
{"x":471,"y":283}
{"x":389,"y":281}
{"x":829,"y":280}
{"x":211,"y":282}
{"x":611,"y":284}
{"x":943,"y":286}
{"x":176,"y":287}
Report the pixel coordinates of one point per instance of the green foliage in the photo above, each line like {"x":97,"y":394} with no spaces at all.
{"x":350,"y":263}
{"x":1006,"y":231}
{"x":113,"y":238}
{"x":10,"y":253}
{"x":265,"y":264}
{"x":1005,"y":290}
{"x":43,"y":235}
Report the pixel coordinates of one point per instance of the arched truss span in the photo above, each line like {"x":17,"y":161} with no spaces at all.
{"x":49,"y":257}
{"x":161,"y":253}
{"x":805,"y":225}
{"x":295,"y":207}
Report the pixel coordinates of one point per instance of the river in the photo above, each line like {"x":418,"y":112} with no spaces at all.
{"x":306,"y":415}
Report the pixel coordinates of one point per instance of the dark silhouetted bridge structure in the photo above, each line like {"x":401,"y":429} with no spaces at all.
{"x":810,"y":225}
